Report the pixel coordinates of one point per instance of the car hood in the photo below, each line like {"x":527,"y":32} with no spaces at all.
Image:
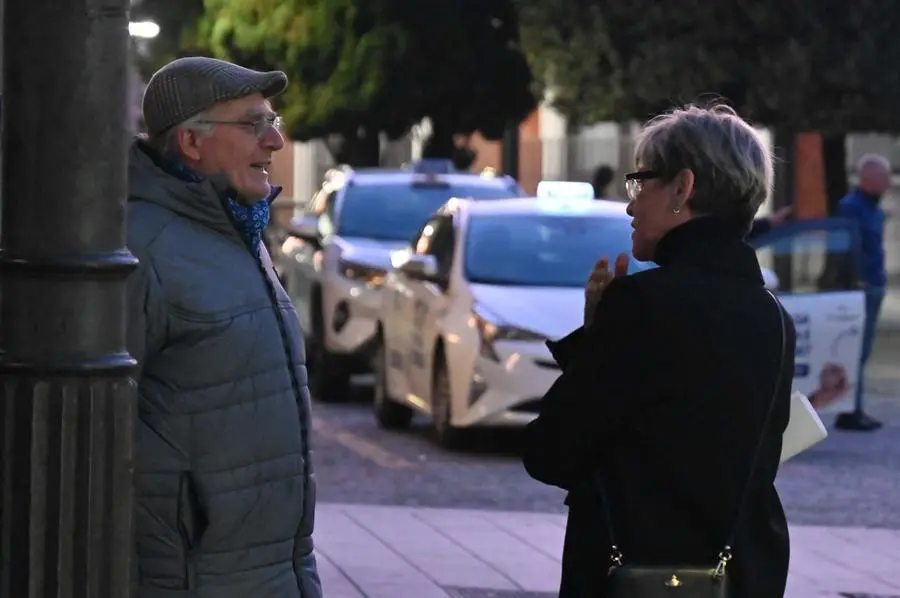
{"x":548,"y":311}
{"x":369,"y":252}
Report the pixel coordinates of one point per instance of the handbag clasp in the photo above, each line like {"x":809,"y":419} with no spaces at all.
{"x":673,"y":582}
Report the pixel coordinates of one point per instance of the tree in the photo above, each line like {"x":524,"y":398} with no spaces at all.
{"x":360,"y":69}
{"x":340,"y":56}
{"x":574,"y":60}
{"x":801,"y":65}
{"x":469,"y":67}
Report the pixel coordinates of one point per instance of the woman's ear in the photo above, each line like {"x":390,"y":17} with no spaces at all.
{"x":682,"y":187}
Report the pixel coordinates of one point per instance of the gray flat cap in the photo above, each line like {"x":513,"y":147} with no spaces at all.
{"x":188,"y":86}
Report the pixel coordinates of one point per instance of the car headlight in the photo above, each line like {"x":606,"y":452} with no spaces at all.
{"x":490,"y":332}
{"x":368,"y":275}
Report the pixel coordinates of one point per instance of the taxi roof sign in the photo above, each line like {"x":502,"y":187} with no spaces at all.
{"x":433,"y":166}
{"x":565,"y":190}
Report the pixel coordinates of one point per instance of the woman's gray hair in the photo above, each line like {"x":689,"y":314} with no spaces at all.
{"x":732,"y":165}
{"x":167,"y":143}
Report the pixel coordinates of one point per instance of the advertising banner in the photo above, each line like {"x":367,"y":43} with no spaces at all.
{"x":829,"y":344}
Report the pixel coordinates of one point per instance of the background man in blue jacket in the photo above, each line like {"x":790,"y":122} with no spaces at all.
{"x":764,"y":224}
{"x":862,"y":206}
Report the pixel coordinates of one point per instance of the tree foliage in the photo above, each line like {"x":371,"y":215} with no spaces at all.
{"x":358,"y":69}
{"x":340,"y":57}
{"x":800,"y":64}
{"x":469,"y":73}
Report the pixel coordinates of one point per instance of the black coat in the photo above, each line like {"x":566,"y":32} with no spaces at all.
{"x":663,"y":399}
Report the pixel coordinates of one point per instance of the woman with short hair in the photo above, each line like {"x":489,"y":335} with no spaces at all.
{"x":665,"y":426}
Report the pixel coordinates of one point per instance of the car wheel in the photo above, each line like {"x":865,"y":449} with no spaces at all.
{"x":389,"y":414}
{"x":447,"y":435}
{"x":329,"y":378}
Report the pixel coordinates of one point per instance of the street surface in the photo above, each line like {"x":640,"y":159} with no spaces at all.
{"x":369,"y":551}
{"x":850,"y":479}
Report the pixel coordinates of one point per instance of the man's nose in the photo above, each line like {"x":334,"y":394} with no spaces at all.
{"x":272,"y":140}
{"x":629,"y":209}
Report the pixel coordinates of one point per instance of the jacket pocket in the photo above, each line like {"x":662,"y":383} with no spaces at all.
{"x":192,"y":523}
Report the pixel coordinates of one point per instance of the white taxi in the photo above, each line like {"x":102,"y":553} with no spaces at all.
{"x":469,"y":306}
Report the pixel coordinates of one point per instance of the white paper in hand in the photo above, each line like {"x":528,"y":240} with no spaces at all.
{"x":804,"y":429}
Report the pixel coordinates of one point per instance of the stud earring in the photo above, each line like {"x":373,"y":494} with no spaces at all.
{"x":676,"y":210}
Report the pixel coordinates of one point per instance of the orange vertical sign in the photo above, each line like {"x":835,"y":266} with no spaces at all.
{"x":810,"y":200}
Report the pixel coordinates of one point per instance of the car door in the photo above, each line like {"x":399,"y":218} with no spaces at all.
{"x":303,"y":256}
{"x":814,"y":263}
{"x":430,"y":302}
{"x":402,"y":354}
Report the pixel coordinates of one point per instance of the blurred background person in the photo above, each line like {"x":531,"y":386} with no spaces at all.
{"x":603,"y":177}
{"x":764,"y":224}
{"x":863,"y":206}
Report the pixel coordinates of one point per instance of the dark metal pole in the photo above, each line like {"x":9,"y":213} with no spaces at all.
{"x":784,"y":196}
{"x":68,"y":403}
{"x":2,"y":12}
{"x":625,"y":138}
{"x":510,"y":150}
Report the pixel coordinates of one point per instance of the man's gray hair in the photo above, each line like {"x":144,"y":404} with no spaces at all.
{"x":732,"y":165}
{"x":167,"y":143}
{"x":872,"y":159}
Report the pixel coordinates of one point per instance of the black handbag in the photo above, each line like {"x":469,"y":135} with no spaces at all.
{"x":672,"y":581}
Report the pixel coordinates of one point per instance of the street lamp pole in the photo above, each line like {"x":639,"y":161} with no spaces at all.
{"x":67,"y":402}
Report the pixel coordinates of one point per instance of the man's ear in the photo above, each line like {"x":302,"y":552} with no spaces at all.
{"x":189,"y":143}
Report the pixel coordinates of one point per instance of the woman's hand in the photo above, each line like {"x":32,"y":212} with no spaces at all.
{"x":597,"y":283}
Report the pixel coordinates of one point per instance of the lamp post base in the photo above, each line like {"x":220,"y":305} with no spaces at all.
{"x":67,"y":486}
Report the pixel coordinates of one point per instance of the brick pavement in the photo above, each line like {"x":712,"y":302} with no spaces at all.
{"x":404,"y":552}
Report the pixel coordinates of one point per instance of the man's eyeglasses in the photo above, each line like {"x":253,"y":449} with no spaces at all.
{"x":634,"y":181}
{"x":260,"y":126}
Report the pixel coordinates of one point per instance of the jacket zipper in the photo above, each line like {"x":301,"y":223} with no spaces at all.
{"x":305,"y":430}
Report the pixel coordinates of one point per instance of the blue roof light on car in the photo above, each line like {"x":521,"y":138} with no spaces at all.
{"x":565,"y":190}
{"x":568,"y":206}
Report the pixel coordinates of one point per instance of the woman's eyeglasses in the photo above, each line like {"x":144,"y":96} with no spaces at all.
{"x":634,"y":181}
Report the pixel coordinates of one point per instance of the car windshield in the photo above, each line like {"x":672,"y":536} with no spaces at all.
{"x":397,"y":212}
{"x":546,"y":250}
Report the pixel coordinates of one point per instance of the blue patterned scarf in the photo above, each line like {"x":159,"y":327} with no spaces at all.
{"x":250,"y":221}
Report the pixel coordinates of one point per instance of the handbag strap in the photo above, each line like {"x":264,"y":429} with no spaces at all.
{"x":616,"y":557}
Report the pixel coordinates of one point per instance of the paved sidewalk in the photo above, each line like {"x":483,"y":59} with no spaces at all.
{"x":401,"y":552}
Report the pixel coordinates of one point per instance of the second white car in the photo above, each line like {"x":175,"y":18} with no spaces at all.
{"x":470,"y":304}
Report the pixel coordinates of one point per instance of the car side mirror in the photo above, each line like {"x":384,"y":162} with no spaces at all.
{"x":417,"y":267}
{"x":770,"y":279}
{"x":420,"y":267}
{"x":305,"y":227}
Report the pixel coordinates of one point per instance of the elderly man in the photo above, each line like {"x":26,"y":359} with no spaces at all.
{"x":224,"y":478}
{"x":862,"y":206}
